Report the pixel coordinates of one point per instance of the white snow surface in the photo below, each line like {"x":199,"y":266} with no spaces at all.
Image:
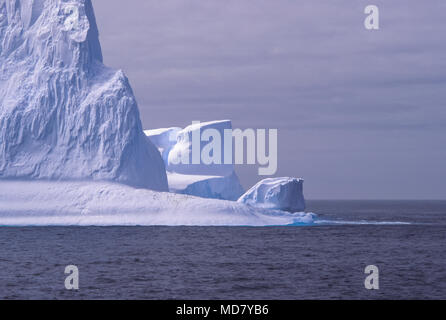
{"x":276,"y":193}
{"x":63,"y":114}
{"x":46,"y":203}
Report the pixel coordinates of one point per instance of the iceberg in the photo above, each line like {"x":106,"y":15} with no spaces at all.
{"x":63,"y":114}
{"x":276,"y":193}
{"x":217,"y":181}
{"x":72,"y":147}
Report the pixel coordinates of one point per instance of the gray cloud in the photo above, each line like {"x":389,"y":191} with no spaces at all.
{"x":360,"y":114}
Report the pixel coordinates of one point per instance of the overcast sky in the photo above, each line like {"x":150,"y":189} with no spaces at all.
{"x":361,"y":114}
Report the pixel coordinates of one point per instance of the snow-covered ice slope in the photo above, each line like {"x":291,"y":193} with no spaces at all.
{"x":63,"y":114}
{"x":217,"y":181}
{"x":105,"y":203}
{"x":276,"y":193}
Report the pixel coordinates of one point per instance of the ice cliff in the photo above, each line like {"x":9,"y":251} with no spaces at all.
{"x":63,"y":114}
{"x":276,"y":193}
{"x":217,"y":181}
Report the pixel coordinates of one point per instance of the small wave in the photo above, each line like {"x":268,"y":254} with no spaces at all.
{"x":361,"y":222}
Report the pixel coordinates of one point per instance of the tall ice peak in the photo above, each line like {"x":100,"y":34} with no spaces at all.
{"x":63,"y":114}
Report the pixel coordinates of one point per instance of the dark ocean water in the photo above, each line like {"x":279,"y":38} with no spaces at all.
{"x":319,"y":262}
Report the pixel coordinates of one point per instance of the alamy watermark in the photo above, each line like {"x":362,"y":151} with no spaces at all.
{"x":371,"y":282}
{"x":371,"y":22}
{"x":71,"y":12}
{"x":210,"y":146}
{"x":71,"y":22}
{"x":72,"y":280}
